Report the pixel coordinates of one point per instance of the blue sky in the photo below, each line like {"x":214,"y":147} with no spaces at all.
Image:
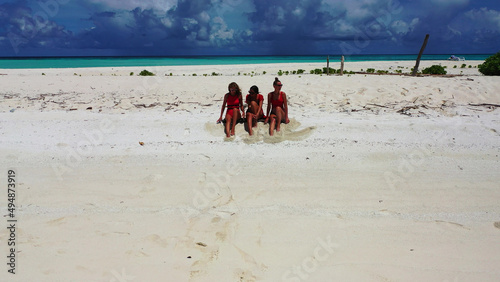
{"x":246,"y":27}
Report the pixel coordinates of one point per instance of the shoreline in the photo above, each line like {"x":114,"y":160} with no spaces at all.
{"x":233,"y":69}
{"x":85,"y":62}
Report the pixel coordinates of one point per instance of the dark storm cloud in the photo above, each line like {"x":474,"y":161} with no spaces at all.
{"x":250,"y":27}
{"x":21,"y":27}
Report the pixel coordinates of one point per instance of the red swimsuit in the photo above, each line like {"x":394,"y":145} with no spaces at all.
{"x":277,"y":103}
{"x":249,"y":99}
{"x":233,"y":102}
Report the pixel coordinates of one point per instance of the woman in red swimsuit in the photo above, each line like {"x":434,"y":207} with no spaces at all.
{"x":277,"y":105}
{"x":234,"y":100}
{"x":254,"y":111}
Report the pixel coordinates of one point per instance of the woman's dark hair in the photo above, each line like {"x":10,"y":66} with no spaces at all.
{"x":255,"y":89}
{"x":276,"y":80}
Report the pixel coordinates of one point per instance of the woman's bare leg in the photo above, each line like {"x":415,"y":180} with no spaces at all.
{"x":249,"y":122}
{"x":254,"y":109}
{"x":272,"y":124}
{"x":279,"y":117}
{"x":236,"y":116}
{"x":228,"y":125}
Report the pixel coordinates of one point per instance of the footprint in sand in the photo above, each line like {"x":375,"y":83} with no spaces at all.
{"x":362,"y":90}
{"x":57,"y":221}
{"x":221,"y":236}
{"x":156,"y":239}
{"x":244,"y":275}
{"x":497,"y":224}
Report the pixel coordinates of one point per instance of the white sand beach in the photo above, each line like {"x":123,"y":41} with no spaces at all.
{"x":376,"y":177}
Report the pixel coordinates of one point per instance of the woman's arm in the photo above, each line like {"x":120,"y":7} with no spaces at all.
{"x":268,"y":107}
{"x":223,"y":108}
{"x":285,"y":108}
{"x":241,"y":105}
{"x":259,"y":111}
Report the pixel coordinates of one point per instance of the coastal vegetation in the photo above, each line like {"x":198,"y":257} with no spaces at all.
{"x":146,"y":73}
{"x":434,"y":69}
{"x":491,"y":65}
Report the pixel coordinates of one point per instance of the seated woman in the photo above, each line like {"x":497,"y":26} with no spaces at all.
{"x":234,"y":100}
{"x":254,"y":111}
{"x":277,"y":104}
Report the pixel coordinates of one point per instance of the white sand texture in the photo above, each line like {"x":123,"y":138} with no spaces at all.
{"x":121,"y":177}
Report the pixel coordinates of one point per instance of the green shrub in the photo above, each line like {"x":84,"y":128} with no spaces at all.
{"x":300,"y":71}
{"x":491,"y":65}
{"x":330,"y":70}
{"x":264,"y":72}
{"x":463,"y":66}
{"x":434,"y":69}
{"x":131,"y":73}
{"x":146,"y":73}
{"x":317,"y":71}
{"x":280,"y":72}
{"x":370,"y":70}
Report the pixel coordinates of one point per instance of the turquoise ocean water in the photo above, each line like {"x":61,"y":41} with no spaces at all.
{"x":90,"y":62}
